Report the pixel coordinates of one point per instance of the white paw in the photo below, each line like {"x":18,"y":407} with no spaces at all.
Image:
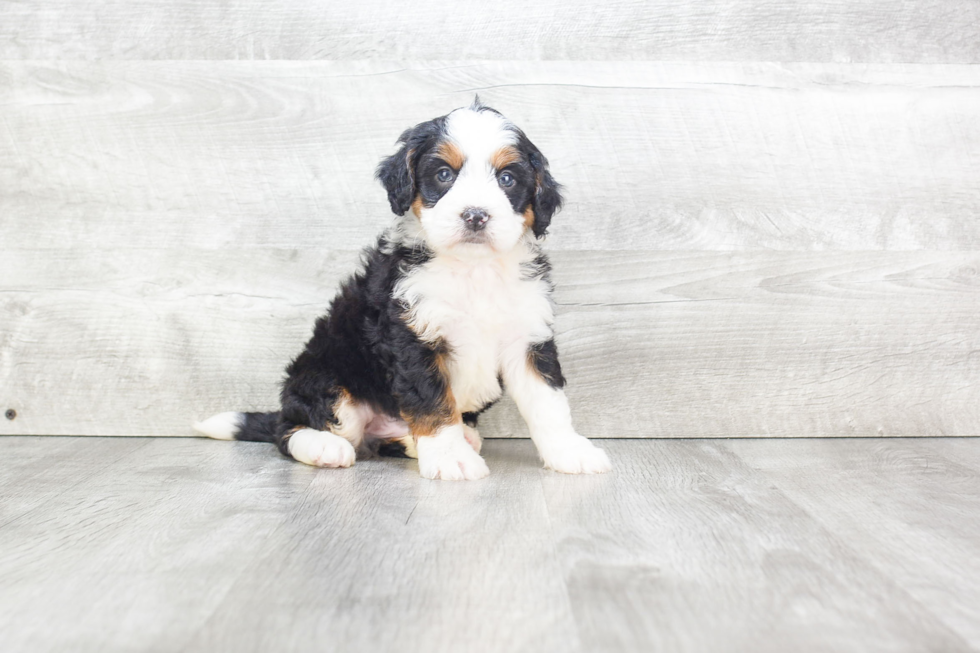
{"x":321,"y":449}
{"x":473,"y":437}
{"x":450,"y":457}
{"x":575,"y":455}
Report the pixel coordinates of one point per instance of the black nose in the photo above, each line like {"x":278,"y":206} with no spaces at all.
{"x":475,"y":219}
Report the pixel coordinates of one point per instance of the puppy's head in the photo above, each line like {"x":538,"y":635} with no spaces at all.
{"x":473,"y":180}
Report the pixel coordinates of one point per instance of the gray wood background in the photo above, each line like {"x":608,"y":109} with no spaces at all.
{"x":771,"y":229}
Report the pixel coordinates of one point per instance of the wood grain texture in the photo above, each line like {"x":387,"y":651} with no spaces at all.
{"x":655,"y":344}
{"x":685,"y":548}
{"x":197,"y":545}
{"x":671,"y":156}
{"x":171,"y":229}
{"x":376,"y":560}
{"x":138,"y":552}
{"x":64,"y":463}
{"x":882,"y":498}
{"x":823,"y":30}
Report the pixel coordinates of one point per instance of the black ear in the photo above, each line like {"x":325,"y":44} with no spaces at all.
{"x":397,"y":175}
{"x":547,"y":198}
{"x":397,"y":172}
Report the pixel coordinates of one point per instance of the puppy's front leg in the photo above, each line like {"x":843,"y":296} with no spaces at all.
{"x":447,"y":455}
{"x":534,"y":380}
{"x":429,"y":408}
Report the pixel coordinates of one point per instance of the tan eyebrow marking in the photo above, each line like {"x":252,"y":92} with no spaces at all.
{"x":504,"y":157}
{"x":449,"y":152}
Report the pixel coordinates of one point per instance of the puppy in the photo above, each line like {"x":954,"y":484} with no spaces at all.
{"x":451,"y":307}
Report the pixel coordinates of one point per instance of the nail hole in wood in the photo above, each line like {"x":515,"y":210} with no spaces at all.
{"x":11,"y":413}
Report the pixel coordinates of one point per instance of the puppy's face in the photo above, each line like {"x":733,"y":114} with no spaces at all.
{"x":473,"y":180}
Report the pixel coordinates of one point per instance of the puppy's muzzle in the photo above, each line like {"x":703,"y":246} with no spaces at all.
{"x":474,"y":218}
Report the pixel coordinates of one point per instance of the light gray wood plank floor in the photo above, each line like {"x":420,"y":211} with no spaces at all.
{"x":112,"y":544}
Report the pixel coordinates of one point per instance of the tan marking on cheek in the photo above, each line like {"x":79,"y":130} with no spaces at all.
{"x":528,"y":217}
{"x":417,"y":206}
{"x":449,"y":152}
{"x":504,"y":157}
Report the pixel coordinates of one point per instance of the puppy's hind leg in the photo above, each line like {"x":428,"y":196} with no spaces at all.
{"x":336,"y":445}
{"x":320,"y":448}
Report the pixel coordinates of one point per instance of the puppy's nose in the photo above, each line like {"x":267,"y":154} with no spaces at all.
{"x":475,"y":219}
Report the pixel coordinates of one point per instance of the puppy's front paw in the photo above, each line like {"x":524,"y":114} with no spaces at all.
{"x":321,"y":448}
{"x":576,"y":455}
{"x":449,"y":459}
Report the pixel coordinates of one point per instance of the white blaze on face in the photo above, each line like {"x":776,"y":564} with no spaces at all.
{"x":478,"y":135}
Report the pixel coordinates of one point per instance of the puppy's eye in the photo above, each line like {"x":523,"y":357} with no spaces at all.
{"x":506,"y":180}
{"x":445,"y":175}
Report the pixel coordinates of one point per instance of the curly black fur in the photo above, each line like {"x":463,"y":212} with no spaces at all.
{"x":363,"y":345}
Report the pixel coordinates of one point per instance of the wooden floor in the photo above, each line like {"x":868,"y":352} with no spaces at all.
{"x":131,"y":544}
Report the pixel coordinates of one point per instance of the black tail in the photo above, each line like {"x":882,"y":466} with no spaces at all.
{"x":258,"y":427}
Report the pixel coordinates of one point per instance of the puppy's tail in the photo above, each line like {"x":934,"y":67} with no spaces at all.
{"x":254,"y":427}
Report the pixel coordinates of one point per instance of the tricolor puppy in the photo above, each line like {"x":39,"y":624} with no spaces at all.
{"x":452,"y":307}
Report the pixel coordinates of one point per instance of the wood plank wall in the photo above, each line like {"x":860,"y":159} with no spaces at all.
{"x":772,"y":226}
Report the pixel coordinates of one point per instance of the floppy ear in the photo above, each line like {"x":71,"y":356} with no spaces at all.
{"x":547,"y":198}
{"x":397,"y":174}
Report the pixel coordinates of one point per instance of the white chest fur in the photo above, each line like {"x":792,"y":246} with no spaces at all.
{"x":484,"y":310}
